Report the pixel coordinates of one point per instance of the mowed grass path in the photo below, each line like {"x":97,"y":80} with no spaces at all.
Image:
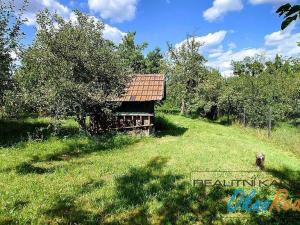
{"x":74,"y":176}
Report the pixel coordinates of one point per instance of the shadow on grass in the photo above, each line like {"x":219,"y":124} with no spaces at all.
{"x":94,"y":144}
{"x":28,"y":168}
{"x":221,"y":121}
{"x":74,"y":149}
{"x":13,"y":132}
{"x":6,"y":217}
{"x":66,"y":211}
{"x":165,"y":127}
{"x":290,"y":180}
{"x":296,"y":123}
{"x":19,"y":204}
{"x":150,"y":195}
{"x":90,"y":186}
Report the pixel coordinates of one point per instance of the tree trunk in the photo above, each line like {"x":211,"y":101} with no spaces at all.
{"x":228,"y":111}
{"x":81,"y":119}
{"x":244,"y":117}
{"x":182,"y":111}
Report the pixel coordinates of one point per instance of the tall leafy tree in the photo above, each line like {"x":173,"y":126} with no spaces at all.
{"x":261,"y":91}
{"x":71,"y":70}
{"x":208,"y":92}
{"x":154,"y":61}
{"x":132,"y":53}
{"x":10,"y":33}
{"x":186,"y":72}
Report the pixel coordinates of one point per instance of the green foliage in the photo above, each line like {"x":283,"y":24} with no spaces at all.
{"x":259,"y":91}
{"x":154,"y":61}
{"x":259,"y":87}
{"x":184,"y":72}
{"x":133,"y":56}
{"x":69,"y":70}
{"x":132,"y":53}
{"x":120,"y":179}
{"x":190,"y":85}
{"x":10,"y":33}
{"x":291,"y":13}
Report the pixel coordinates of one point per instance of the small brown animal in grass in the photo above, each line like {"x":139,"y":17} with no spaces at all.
{"x":260,"y":160}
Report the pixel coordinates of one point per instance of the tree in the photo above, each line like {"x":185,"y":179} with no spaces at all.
{"x":208,"y":92}
{"x":71,"y":70}
{"x":10,"y":33}
{"x":132,"y":53}
{"x":262,"y":92}
{"x":154,"y":61}
{"x":185,"y":65}
{"x":229,"y":101}
{"x":290,"y":12}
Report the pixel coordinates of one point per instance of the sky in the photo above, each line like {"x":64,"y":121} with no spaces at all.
{"x":228,"y":29}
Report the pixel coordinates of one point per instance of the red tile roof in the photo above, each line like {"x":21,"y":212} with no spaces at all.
{"x":145,"y":87}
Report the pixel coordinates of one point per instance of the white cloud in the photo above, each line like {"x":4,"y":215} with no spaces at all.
{"x":109,"y":32}
{"x":215,"y":52}
{"x":231,"y":45}
{"x":287,"y":47}
{"x":220,"y":57}
{"x":257,"y":2}
{"x":280,"y":42}
{"x":113,"y":34}
{"x":31,"y":19}
{"x":116,"y":10}
{"x":37,"y":5}
{"x":277,"y":37}
{"x":283,"y":42}
{"x":209,"y":40}
{"x":224,"y":59}
{"x":220,"y":8}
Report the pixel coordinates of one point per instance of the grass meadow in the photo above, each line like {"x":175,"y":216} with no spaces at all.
{"x":51,"y":175}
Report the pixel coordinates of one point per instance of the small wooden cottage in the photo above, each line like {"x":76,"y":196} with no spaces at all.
{"x":137,"y":104}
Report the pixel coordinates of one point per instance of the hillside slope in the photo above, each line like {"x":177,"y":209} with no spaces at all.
{"x":70,"y":175}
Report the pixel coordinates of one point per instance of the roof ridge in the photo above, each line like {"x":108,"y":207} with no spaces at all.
{"x":148,"y":74}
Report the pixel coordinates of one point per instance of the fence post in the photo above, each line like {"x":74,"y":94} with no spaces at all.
{"x":270,"y":122}
{"x":244,"y":117}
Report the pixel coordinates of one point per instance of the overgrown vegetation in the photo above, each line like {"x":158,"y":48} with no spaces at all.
{"x":53,"y":171}
{"x":260,"y":93}
{"x":59,"y":77}
{"x":10,"y":33}
{"x":191,"y":85}
{"x":70,"y":178}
